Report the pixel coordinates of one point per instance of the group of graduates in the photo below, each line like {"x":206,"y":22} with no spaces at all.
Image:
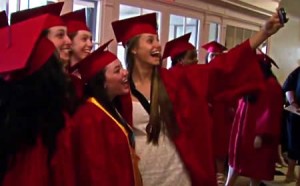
{"x":70,"y":116}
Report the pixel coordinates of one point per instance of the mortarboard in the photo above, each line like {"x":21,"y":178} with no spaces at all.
{"x":126,"y":29}
{"x":178,"y":46}
{"x":32,"y":51}
{"x":264,"y":58}
{"x":3,"y":19}
{"x":95,"y":62}
{"x":214,"y":47}
{"x":52,"y":9}
{"x":75,"y":21}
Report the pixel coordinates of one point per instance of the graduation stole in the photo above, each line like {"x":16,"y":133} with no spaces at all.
{"x":134,"y":157}
{"x":95,"y":102}
{"x":139,"y":96}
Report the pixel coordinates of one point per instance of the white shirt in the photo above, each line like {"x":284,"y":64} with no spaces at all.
{"x":161,"y":164}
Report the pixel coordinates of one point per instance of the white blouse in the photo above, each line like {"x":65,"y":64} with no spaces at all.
{"x":159,"y":165}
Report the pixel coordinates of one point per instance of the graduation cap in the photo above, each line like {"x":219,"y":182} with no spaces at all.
{"x":214,"y":46}
{"x":95,"y":62}
{"x":126,"y":29}
{"x":178,"y":46}
{"x":24,"y":55}
{"x":267,"y":60}
{"x":75,"y":21}
{"x":3,"y":19}
{"x":51,"y":9}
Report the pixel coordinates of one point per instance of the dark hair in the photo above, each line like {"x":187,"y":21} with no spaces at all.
{"x":72,"y":35}
{"x":45,"y":33}
{"x":31,"y":107}
{"x":267,"y":72}
{"x":95,"y":88}
{"x":162,"y":116}
{"x":178,"y":58}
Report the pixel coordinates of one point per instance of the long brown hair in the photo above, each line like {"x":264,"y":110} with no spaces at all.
{"x":162,"y":115}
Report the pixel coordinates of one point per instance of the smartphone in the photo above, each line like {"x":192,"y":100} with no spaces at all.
{"x":282,"y":16}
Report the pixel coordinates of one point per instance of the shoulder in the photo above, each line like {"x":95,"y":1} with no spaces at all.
{"x":87,"y":113}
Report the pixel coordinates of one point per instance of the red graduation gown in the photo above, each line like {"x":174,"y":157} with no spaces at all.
{"x":222,"y":115}
{"x":191,"y":88}
{"x":261,"y":118}
{"x":31,"y":166}
{"x":101,"y":148}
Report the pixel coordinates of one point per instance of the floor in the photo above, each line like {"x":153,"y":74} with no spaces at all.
{"x":278,"y":181}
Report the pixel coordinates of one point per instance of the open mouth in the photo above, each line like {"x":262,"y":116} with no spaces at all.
{"x":66,"y":49}
{"x":125,"y":81}
{"x":155,"y":54}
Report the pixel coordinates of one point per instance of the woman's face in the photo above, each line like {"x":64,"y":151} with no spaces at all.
{"x":190,"y":58}
{"x":148,"y":49}
{"x":81,"y":45}
{"x":58,"y":35}
{"x":116,"y":80}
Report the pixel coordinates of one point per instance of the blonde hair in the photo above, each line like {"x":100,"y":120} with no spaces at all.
{"x":162,"y":117}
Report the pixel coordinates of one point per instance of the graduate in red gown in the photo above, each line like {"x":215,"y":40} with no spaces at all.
{"x":213,"y":49}
{"x":35,"y":144}
{"x":181,"y":51}
{"x":81,"y":46}
{"x":103,"y":140}
{"x":80,"y":35}
{"x":222,"y":114}
{"x":179,"y":97}
{"x":255,"y":133}
{"x":55,"y":29}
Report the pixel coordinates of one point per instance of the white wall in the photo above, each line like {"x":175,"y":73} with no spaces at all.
{"x":285,"y":48}
{"x":285,"y":45}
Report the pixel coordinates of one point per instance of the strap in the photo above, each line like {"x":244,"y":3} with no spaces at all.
{"x":140,"y":97}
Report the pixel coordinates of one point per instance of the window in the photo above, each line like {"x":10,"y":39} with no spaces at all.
{"x":180,"y":25}
{"x":127,"y":11}
{"x":214,"y":32}
{"x":236,"y":35}
{"x":25,"y":4}
{"x":15,"y":5}
{"x":92,"y":15}
{"x":3,"y":5}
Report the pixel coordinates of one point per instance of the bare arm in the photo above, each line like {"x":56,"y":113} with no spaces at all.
{"x":269,"y":28}
{"x":290,"y":95}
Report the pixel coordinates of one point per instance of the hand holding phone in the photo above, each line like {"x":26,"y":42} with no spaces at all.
{"x":282,"y":16}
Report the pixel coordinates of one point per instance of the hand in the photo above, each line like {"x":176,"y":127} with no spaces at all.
{"x":257,"y":142}
{"x":272,"y":25}
{"x":294,"y":104}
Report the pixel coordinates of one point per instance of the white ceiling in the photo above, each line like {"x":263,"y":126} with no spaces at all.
{"x":269,"y":5}
{"x":291,"y":6}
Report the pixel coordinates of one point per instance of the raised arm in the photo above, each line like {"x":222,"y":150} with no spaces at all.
{"x":271,"y":26}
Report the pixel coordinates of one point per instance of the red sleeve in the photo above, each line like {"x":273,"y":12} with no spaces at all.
{"x":89,"y":150}
{"x":235,"y":73}
{"x":269,"y":111}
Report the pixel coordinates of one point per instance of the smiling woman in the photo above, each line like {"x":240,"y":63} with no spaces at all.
{"x":103,"y":140}
{"x":80,"y":35}
{"x":55,"y":29}
{"x":178,"y":98}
